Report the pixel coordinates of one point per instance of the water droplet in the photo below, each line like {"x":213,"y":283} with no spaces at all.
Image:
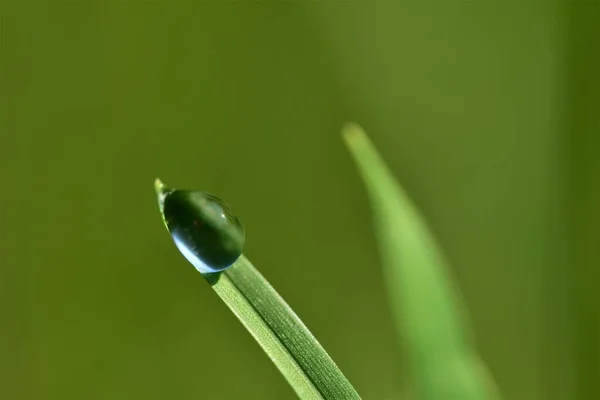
{"x":205,"y":229}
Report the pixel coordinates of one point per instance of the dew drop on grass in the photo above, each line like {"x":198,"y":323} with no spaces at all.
{"x":205,"y":228}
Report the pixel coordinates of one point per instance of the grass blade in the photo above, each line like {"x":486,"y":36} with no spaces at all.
{"x":426,"y":307}
{"x":282,"y":335}
{"x":208,"y":233}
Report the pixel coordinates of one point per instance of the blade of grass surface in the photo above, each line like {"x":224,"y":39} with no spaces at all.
{"x":282,"y":335}
{"x":277,"y":329}
{"x":426,"y":307}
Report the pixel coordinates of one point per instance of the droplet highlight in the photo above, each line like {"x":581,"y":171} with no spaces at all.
{"x":204,"y":228}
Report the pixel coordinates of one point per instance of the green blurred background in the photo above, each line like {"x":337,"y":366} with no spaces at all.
{"x":488,"y":113}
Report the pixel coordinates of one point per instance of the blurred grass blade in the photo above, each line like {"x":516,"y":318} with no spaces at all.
{"x":281,"y":334}
{"x":425,"y":305}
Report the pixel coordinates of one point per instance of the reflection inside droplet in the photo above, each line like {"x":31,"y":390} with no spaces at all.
{"x":192,"y":257}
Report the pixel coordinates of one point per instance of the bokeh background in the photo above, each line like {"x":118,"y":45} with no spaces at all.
{"x":488,"y":113}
